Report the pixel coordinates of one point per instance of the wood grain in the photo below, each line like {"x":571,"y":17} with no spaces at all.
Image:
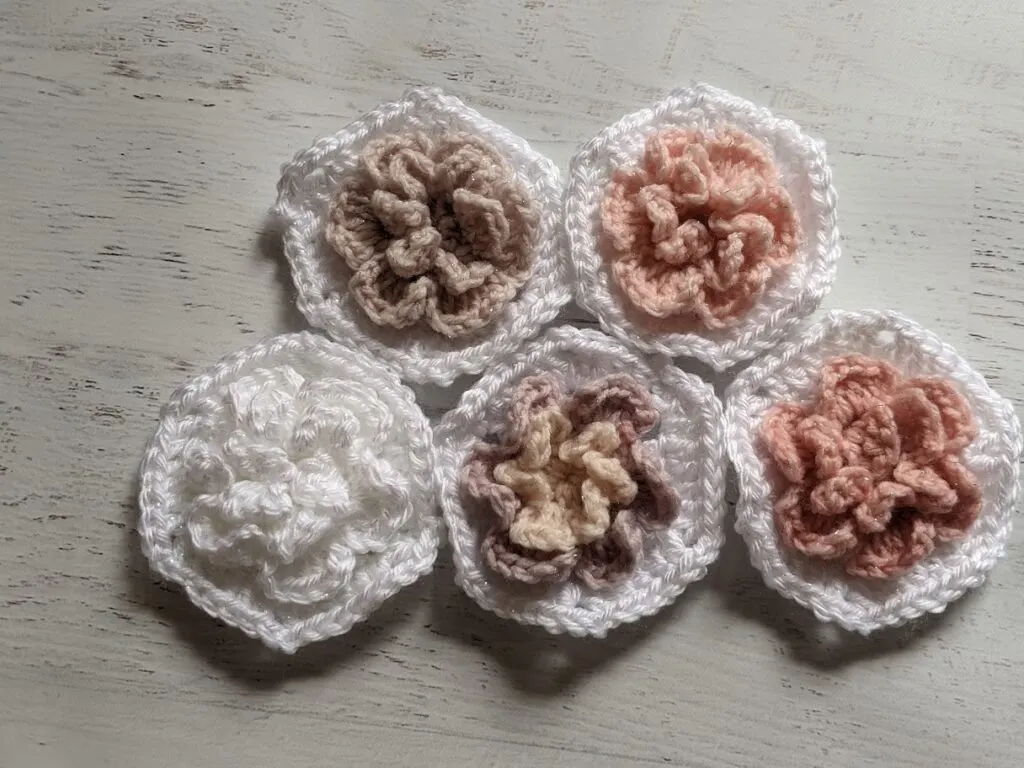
{"x":141,"y":146}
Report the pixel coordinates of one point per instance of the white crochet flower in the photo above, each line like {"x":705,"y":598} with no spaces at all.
{"x":311,"y":180}
{"x":792,"y":292}
{"x":289,"y":490}
{"x":791,"y":374}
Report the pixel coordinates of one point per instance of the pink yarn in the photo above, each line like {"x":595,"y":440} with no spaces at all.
{"x":872,"y":472}
{"x":698,"y":230}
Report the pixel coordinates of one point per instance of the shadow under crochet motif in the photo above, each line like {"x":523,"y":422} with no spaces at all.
{"x":530,"y":658}
{"x":821,"y":645}
{"x":242,"y":658}
{"x":270,"y":248}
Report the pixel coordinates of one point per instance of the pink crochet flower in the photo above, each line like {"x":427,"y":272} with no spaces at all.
{"x":570,"y":490}
{"x":872,"y":472}
{"x":697,"y":230}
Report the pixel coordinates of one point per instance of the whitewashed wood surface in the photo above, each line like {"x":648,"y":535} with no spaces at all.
{"x":140,"y":147}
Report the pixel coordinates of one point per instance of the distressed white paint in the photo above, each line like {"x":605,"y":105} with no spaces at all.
{"x":141,"y":142}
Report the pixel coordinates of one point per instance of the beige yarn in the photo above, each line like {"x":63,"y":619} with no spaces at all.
{"x":435,"y":231}
{"x":567,"y":484}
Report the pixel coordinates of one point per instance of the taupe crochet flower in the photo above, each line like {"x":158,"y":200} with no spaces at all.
{"x":570,"y":487}
{"x":436,"y":232}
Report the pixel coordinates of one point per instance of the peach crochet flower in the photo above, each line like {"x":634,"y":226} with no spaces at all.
{"x":570,"y":487}
{"x":872,"y":472}
{"x":699,"y":228}
{"x":436,"y":232}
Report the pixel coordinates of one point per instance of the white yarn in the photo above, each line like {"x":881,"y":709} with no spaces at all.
{"x":289,"y":490}
{"x":790,"y":373}
{"x":690,"y":442}
{"x":791,"y":295}
{"x":304,"y":193}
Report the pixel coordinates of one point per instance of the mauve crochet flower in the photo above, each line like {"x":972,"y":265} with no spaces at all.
{"x":436,"y":231}
{"x":570,"y":489}
{"x":872,"y":473}
{"x":699,"y":228}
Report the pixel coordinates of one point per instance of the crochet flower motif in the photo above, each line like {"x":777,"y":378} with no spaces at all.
{"x":435,"y":231}
{"x":699,"y":228}
{"x":872,"y":471}
{"x":272,"y":500}
{"x":571,"y":489}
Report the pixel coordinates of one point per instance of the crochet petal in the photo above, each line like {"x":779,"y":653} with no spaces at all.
{"x":815,"y":535}
{"x":776,"y":207}
{"x":532,"y":395}
{"x":617,"y":398}
{"x":543,"y":434}
{"x":676,"y":158}
{"x":595,"y":515}
{"x":413,"y":255}
{"x":824,"y":439}
{"x":955,"y":523}
{"x":465,"y":161}
{"x":932,"y":492}
{"x":458,"y":278}
{"x":875,"y":514}
{"x":597,"y":437}
{"x":353,"y":229}
{"x":656,"y":287}
{"x":782,"y":439}
{"x":873,"y":441}
{"x":389,"y":299}
{"x":885,"y":555}
{"x":721,"y":309}
{"x":608,"y":561}
{"x":457,"y":315}
{"x":477,"y":478}
{"x":623,"y":217}
{"x":656,"y":504}
{"x":656,"y":200}
{"x":523,"y":565}
{"x":743,"y":170}
{"x":839,"y":495}
{"x":530,"y":485}
{"x":852,"y":384}
{"x":400,"y":164}
{"x":484,"y":226}
{"x":397,"y":215}
{"x":744,"y":242}
{"x":688,"y":243}
{"x":919,"y":421}
{"x":957,"y":416}
{"x":545,"y":527}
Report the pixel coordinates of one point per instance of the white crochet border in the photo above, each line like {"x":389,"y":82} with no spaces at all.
{"x":690,"y":441}
{"x":790,"y":373}
{"x":160,"y":511}
{"x":791,"y":296}
{"x":304,"y":193}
